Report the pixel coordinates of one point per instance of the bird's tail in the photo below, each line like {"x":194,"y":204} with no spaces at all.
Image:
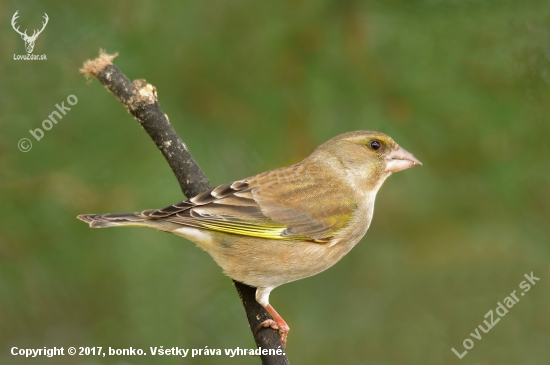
{"x":136,"y":219}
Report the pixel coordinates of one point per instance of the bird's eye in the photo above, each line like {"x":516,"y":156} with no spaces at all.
{"x":375,"y":145}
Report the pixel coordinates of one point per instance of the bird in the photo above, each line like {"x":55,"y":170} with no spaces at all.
{"x":285,"y":224}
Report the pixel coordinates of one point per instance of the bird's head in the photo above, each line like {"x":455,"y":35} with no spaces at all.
{"x":367,"y":156}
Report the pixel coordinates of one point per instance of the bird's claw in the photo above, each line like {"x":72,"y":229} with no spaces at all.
{"x":283,"y":329}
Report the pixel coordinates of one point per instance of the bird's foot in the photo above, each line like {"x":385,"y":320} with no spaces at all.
{"x":282,"y":328}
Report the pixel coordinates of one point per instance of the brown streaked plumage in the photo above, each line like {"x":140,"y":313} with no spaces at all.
{"x":285,"y":224}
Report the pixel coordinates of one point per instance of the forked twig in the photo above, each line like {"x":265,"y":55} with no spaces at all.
{"x":140,"y":99}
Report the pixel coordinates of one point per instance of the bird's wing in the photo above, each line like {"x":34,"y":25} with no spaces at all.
{"x":279,"y":204}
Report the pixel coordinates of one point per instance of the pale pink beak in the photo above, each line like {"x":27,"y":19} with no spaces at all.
{"x":400,"y":159}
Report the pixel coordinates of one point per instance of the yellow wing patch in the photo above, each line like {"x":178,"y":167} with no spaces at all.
{"x":251,"y":230}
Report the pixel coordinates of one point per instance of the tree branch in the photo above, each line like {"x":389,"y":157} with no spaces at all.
{"x":140,"y":99}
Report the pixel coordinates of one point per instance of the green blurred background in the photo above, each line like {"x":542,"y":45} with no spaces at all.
{"x":251,"y":86}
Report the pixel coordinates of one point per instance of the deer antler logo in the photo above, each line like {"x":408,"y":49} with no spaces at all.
{"x":29,"y":41}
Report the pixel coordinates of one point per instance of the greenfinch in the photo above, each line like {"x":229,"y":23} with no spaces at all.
{"x":285,"y":224}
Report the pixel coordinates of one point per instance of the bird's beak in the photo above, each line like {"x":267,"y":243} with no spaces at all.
{"x":400,"y":159}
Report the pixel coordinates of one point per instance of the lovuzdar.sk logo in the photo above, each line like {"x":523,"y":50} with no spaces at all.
{"x":29,"y":39}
